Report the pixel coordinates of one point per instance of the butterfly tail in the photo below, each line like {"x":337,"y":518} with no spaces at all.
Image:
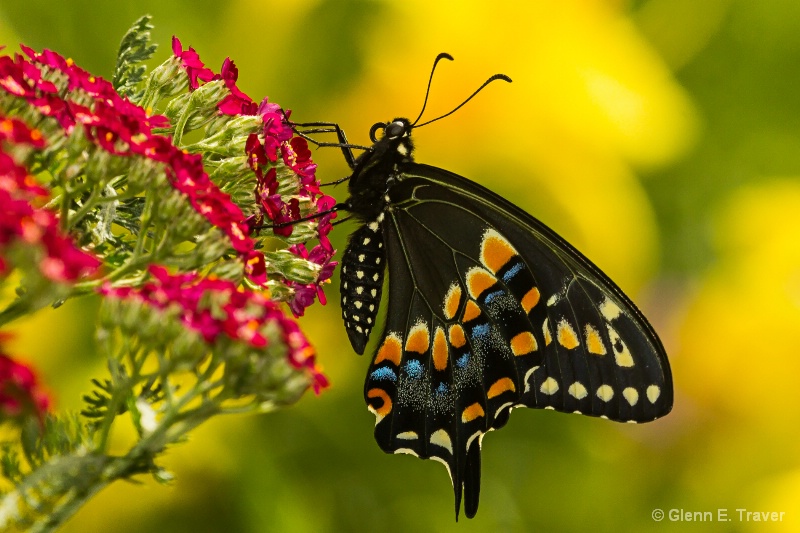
{"x":472,"y":480}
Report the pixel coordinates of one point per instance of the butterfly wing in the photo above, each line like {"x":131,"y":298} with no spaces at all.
{"x":489,"y":310}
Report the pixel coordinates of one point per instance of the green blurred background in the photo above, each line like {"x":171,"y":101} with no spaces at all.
{"x":661,"y":137}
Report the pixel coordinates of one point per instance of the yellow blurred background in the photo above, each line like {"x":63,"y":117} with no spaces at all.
{"x":661,"y":137}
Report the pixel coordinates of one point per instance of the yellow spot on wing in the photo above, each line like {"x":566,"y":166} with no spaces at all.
{"x":631,"y":394}
{"x":384,"y":409}
{"x":499,"y":387}
{"x":622,"y":355}
{"x":472,"y":311}
{"x":546,"y":331}
{"x":457,"y":337}
{"x":441,"y":438}
{"x":524,"y":343}
{"x":653,"y":392}
{"x":451,"y":301}
{"x":530,"y":299}
{"x":440,"y":353}
{"x":419,"y":338}
{"x":593,"y":341}
{"x":478,"y":280}
{"x":566,"y":335}
{"x":495,"y":251}
{"x":390,"y":350}
{"x":472,"y":412}
{"x":408,"y":435}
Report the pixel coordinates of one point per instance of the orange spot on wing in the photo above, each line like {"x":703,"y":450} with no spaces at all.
{"x":593,"y":341}
{"x":419,"y":339}
{"x":566,"y":335}
{"x":496,"y":251}
{"x":440,"y":353}
{"x":499,"y":387}
{"x":457,"y":337}
{"x":478,"y":280}
{"x":472,"y":311}
{"x":472,"y":412}
{"x":451,"y":301}
{"x":530,"y":299}
{"x":386,"y":407}
{"x":524,"y":343}
{"x":390,"y":350}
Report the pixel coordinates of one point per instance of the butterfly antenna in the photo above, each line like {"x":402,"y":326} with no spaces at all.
{"x":487,"y":82}
{"x":443,"y":55}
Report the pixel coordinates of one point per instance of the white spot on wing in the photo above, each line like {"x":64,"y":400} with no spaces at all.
{"x":472,"y":437}
{"x":609,"y":310}
{"x":441,"y":438}
{"x":409,"y":451}
{"x":550,"y":386}
{"x":528,"y":375}
{"x":577,"y":390}
{"x":497,"y":413}
{"x":605,"y":392}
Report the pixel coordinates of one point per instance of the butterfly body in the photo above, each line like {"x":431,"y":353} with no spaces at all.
{"x":488,"y":310}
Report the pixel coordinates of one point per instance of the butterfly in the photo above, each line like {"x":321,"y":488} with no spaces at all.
{"x":488,"y":310}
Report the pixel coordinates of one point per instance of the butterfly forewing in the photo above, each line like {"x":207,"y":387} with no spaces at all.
{"x":489,"y":310}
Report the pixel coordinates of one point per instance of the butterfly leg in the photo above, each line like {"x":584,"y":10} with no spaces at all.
{"x":329,"y":127}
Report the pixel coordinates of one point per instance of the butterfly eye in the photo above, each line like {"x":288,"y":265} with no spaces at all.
{"x":395,"y":129}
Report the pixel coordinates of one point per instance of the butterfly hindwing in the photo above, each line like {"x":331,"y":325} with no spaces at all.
{"x":490,"y":310}
{"x":361,"y":283}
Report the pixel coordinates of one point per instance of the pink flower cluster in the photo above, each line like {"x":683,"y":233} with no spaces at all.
{"x":20,"y":393}
{"x":21,"y":222}
{"x":236,"y":103}
{"x":123,"y":128}
{"x":278,"y":141}
{"x":236,"y":313}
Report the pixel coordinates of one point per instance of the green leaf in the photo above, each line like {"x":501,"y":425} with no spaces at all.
{"x":134,"y":50}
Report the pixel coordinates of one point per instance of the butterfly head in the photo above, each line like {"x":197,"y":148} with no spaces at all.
{"x":395,"y":137}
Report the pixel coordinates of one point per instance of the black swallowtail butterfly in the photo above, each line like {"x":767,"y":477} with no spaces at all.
{"x":488,"y":310}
